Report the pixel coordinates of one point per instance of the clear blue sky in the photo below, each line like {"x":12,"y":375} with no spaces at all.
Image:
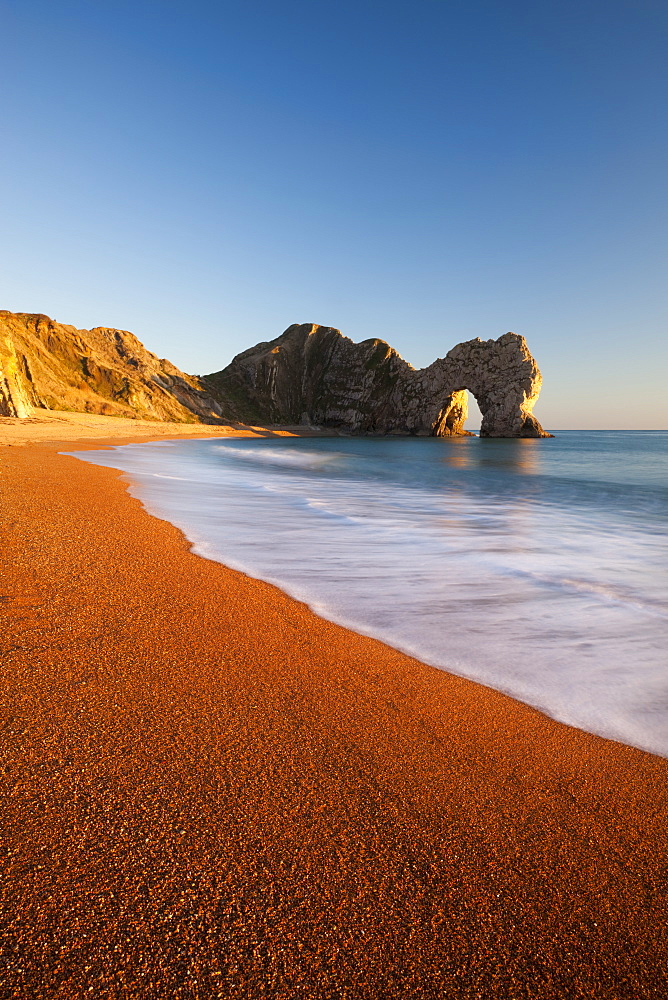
{"x":205,"y":174}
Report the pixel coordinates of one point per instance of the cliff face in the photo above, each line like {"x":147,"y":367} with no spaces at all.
{"x":47,"y":364}
{"x":310,"y":375}
{"x":313,"y":375}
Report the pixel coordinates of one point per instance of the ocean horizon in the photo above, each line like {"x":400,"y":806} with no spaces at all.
{"x":537,"y":567}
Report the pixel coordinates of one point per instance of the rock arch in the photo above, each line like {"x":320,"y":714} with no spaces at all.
{"x":313,"y":375}
{"x":502,"y":375}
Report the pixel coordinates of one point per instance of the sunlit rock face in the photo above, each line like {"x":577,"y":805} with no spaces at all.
{"x":502,"y":375}
{"x":57,"y":367}
{"x":14,"y":401}
{"x":313,"y":375}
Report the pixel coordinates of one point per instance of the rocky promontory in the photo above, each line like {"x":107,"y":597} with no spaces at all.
{"x":311,"y":376}
{"x":315,"y":376}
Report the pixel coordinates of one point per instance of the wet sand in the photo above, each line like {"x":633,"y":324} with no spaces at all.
{"x":211,"y":792}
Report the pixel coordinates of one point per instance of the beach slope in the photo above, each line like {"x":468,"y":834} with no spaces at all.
{"x":211,"y":792}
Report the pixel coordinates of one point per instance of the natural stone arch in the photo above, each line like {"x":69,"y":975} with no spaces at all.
{"x":502,"y":375}
{"x":313,"y":375}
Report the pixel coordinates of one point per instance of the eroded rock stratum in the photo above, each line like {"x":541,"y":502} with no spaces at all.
{"x":314,"y":375}
{"x":52,"y":366}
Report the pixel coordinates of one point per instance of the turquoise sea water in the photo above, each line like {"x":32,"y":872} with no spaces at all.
{"x":538,"y":567}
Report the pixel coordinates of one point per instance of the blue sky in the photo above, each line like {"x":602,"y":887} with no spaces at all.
{"x":205,"y":174}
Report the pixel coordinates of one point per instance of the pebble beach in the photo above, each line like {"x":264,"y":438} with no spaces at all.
{"x":211,"y":792}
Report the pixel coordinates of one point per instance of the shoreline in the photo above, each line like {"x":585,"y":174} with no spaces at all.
{"x":66,"y":426}
{"x":230,"y":796}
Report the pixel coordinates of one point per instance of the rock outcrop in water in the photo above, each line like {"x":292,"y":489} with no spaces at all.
{"x":314,"y":375}
{"x":46,"y":364}
{"x":311,"y":375}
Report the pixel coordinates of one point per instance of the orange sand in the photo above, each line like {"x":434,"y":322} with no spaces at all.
{"x":210,"y":792}
{"x":50,"y":425}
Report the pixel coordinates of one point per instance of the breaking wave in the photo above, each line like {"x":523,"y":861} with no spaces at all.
{"x":289,"y":460}
{"x":535,"y":567}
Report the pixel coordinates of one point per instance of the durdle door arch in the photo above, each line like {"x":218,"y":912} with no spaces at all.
{"x":502,"y":375}
{"x":313,"y":375}
{"x":505,"y":380}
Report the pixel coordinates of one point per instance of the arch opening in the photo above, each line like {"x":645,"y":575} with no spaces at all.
{"x":461,"y":415}
{"x":473,"y":421}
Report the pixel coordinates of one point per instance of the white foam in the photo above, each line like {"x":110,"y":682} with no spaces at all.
{"x":270,"y":456}
{"x":550,"y":596}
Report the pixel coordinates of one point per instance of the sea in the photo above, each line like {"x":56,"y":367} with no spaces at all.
{"x":538,"y":567}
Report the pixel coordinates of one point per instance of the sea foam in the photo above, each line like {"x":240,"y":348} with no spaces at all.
{"x":536,"y":567}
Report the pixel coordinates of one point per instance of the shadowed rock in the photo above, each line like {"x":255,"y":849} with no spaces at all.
{"x":314,"y":375}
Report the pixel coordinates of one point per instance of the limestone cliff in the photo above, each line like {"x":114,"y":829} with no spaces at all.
{"x":47,"y":364}
{"x":313,"y":375}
